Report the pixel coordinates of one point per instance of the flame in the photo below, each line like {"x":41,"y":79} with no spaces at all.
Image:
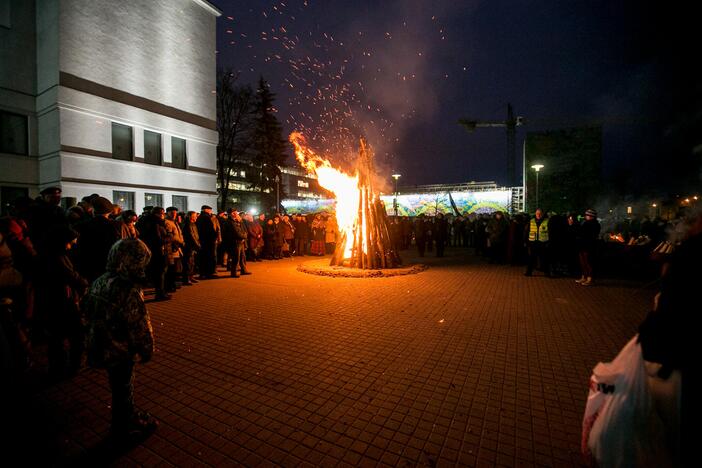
{"x":344,"y":186}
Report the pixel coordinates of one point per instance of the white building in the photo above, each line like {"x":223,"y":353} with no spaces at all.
{"x":109,"y":97}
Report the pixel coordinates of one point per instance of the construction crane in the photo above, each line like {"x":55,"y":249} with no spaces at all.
{"x":510,"y":125}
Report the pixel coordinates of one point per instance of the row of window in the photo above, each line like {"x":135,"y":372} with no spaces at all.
{"x":14,"y":139}
{"x":126,"y":200}
{"x":123,"y":147}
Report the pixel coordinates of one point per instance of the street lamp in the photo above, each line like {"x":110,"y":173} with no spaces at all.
{"x":537,"y":168}
{"x":396,"y":177}
{"x":277,"y":193}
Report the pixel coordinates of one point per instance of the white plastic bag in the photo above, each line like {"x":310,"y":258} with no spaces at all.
{"x":619,"y":428}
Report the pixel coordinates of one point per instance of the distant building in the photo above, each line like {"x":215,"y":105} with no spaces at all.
{"x":571,"y":177}
{"x":295,"y":184}
{"x":114,"y":98}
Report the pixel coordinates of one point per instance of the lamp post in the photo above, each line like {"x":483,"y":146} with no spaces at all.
{"x":277,"y":193}
{"x":537,"y":168}
{"x":396,"y":177}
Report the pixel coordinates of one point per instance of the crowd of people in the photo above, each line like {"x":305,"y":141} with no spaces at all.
{"x":50,"y":257}
{"x":71,"y":278}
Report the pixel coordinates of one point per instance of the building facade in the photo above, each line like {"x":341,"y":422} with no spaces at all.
{"x":570,"y":179}
{"x":114,"y":98}
{"x":295,"y":184}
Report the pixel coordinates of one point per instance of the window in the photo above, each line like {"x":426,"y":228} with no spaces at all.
{"x":152,"y":148}
{"x":5,"y":13}
{"x":239,"y":186}
{"x":123,"y":199}
{"x":180,"y":202}
{"x":178,"y":155}
{"x":242,"y":173}
{"x":122,"y":143}
{"x":302,"y":183}
{"x":14,"y":137}
{"x":153,"y":199}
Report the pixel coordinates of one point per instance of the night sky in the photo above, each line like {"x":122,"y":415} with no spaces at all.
{"x":402,"y":73}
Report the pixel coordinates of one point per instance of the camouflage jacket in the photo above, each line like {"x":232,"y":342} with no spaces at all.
{"x":119,"y":327}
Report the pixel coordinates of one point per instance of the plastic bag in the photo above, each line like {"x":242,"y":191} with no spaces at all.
{"x":619,"y":427}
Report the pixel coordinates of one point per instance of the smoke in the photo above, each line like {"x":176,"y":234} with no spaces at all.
{"x":345,"y":70}
{"x":399,"y":44}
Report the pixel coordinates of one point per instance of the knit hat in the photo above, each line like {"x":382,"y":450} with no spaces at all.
{"x":591,"y":212}
{"x":101,"y":206}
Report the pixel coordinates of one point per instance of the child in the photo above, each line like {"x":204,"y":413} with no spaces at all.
{"x":119,"y":331}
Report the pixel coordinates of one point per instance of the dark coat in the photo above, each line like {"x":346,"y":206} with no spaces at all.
{"x":255,"y":232}
{"x":97,"y":236}
{"x":156,"y":238}
{"x":441,"y":229}
{"x":206,"y":229}
{"x":588,"y":233}
{"x":302,"y":229}
{"x":59,"y":290}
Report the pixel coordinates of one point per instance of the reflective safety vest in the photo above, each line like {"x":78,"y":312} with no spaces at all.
{"x":540,"y":233}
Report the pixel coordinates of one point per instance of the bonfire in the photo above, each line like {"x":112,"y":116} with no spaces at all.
{"x":363,"y":223}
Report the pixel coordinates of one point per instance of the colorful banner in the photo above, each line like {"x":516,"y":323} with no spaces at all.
{"x":465,"y":203}
{"x":428,"y":204}
{"x":313,"y":205}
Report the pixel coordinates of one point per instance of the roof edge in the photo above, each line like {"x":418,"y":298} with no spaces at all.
{"x":209,"y":7}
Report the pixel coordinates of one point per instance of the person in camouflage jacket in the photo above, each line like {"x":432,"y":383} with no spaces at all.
{"x":119,"y":332}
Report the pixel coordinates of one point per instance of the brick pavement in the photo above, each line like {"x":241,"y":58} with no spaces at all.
{"x":463,"y":364}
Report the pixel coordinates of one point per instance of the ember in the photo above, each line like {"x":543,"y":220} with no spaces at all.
{"x":365,"y":238}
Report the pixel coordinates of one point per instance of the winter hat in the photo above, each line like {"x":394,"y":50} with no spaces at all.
{"x":51,"y":191}
{"x":591,"y":212}
{"x":128,"y":259}
{"x":101,"y":206}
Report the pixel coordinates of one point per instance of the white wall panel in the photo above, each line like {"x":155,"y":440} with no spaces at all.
{"x":163,"y":50}
{"x":77,"y":166}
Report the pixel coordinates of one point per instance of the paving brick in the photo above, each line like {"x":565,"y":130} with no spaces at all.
{"x":466,"y":363}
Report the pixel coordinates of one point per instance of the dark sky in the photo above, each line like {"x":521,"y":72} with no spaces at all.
{"x":402,"y":73}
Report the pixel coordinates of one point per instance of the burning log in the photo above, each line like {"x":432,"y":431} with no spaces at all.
{"x":372,"y":246}
{"x":365,"y":238}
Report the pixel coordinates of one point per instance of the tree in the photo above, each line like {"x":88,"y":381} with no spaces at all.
{"x":268,"y":151}
{"x":235,"y":125}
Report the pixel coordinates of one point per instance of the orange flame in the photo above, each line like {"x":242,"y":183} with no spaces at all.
{"x":344,"y":186}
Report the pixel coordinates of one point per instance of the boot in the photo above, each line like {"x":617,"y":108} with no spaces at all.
{"x":581,"y":280}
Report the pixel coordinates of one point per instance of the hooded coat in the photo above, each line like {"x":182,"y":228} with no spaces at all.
{"x":119,"y":327}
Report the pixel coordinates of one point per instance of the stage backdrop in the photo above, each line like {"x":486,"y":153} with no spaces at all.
{"x":428,"y":204}
{"x":464,"y":203}
{"x":313,"y":205}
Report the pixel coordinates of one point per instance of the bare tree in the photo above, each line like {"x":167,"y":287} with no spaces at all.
{"x":234,"y":125}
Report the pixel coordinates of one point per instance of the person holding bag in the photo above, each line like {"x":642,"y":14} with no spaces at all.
{"x":642,"y":407}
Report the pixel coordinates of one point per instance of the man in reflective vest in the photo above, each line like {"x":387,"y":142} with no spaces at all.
{"x":537,"y":243}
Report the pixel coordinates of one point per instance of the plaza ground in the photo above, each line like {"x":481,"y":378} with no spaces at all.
{"x":466,"y":363}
